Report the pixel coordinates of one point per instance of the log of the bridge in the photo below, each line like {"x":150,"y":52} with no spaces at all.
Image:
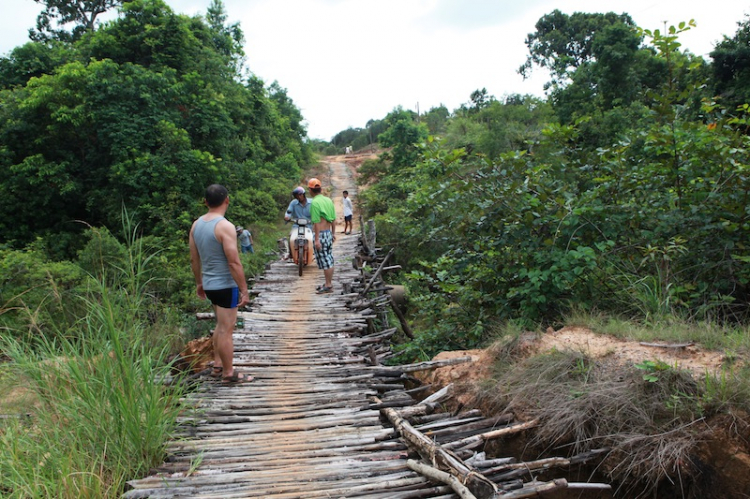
{"x":363,"y":237}
{"x":431,"y":452}
{"x":480,"y":461}
{"x":589,"y":486}
{"x":426,"y":366}
{"x":477,"y":440}
{"x":463,"y":426}
{"x":439,"y":395}
{"x":430,"y":418}
{"x":377,"y":273}
{"x":203,"y":316}
{"x":371,"y":235}
{"x":377,"y":337}
{"x":506,"y":471}
{"x":441,"y":476}
{"x":419,"y":389}
{"x":447,"y":422}
{"x":535,"y":489}
{"x":516,"y":470}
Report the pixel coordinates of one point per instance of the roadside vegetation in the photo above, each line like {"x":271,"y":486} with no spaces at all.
{"x":619,"y":203}
{"x":109,"y":135}
{"x":526,"y":211}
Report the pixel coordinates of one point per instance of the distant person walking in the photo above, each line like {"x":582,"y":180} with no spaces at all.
{"x":323,"y":216}
{"x":246,"y":239}
{"x":219,"y":276}
{"x":348,"y":213}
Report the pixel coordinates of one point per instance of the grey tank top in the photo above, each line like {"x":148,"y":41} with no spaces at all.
{"x":214,"y":265}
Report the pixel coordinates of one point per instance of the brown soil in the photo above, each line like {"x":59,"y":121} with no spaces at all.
{"x":691,"y":357}
{"x":354,"y":161}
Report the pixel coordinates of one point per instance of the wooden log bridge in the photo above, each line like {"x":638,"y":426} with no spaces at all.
{"x":323,"y":417}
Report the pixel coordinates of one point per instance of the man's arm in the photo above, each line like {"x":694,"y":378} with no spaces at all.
{"x":316,"y":231}
{"x":195,"y":265}
{"x":288,"y":214}
{"x":315,"y":214}
{"x":225,"y":234}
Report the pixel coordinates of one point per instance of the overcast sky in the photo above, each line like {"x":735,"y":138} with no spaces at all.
{"x":345,"y":62}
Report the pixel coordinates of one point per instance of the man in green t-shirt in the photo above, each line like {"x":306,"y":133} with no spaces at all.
{"x":323,"y":216}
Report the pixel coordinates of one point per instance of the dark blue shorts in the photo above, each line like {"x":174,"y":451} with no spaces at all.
{"x":348,"y":218}
{"x":224,"y":298}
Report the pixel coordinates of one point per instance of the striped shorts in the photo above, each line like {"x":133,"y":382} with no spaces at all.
{"x":324,"y":257}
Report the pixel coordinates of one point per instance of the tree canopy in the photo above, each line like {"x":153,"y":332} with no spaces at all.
{"x":82,"y":14}
{"x":142,"y":113}
{"x":563,"y":43}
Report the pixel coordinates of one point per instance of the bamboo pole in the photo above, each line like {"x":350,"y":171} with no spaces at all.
{"x":377,"y":273}
{"x":433,"y":453}
{"x":441,"y":476}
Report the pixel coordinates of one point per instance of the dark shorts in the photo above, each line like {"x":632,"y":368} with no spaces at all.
{"x":324,"y":257}
{"x":348,"y":218}
{"x":224,"y":298}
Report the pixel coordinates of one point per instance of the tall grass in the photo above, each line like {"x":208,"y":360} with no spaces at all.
{"x":102,"y":415}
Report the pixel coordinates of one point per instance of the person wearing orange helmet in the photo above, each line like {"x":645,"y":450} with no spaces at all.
{"x":323,"y":216}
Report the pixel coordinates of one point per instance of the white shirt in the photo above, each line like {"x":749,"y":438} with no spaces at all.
{"x":348,"y":207}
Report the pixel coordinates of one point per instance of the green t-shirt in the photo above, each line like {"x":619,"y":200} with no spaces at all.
{"x":322,"y":207}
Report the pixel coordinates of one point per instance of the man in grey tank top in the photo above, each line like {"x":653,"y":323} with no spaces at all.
{"x":219,"y":276}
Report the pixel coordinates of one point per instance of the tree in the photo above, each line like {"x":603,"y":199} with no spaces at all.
{"x":32,"y":60}
{"x":436,"y":119}
{"x":731,"y":67}
{"x":563,"y":43}
{"x":403,"y":136}
{"x":81,"y":13}
{"x":146,"y":114}
{"x":227,"y":39}
{"x":480,"y":99}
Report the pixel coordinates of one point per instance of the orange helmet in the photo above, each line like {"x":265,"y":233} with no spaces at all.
{"x":314,"y":183}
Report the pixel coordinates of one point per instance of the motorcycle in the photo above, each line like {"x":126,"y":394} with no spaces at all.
{"x":301,"y":243}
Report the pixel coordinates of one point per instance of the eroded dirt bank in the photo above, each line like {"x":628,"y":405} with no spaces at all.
{"x":714,"y":451}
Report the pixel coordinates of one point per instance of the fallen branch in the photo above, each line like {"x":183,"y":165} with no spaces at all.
{"x":667,"y":345}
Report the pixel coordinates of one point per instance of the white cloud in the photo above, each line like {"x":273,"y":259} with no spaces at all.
{"x":345,"y":62}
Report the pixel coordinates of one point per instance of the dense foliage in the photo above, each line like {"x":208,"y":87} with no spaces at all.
{"x":109,"y":135}
{"x":626,"y":193}
{"x":142,"y":113}
{"x":135,"y":117}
